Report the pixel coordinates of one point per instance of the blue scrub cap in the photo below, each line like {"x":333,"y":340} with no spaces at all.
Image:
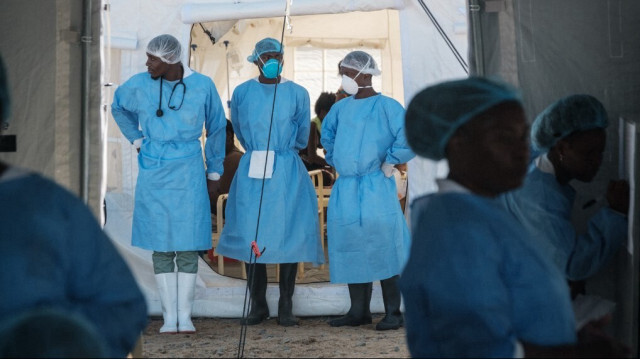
{"x":575,"y":113}
{"x":5,"y":101}
{"x":166,"y":47}
{"x":435,"y":113}
{"x":263,"y":46}
{"x":361,"y":61}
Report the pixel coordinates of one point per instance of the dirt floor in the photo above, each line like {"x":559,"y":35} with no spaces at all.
{"x":313,"y":338}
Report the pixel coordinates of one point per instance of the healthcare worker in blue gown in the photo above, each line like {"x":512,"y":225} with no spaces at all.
{"x":570,"y":136}
{"x":56,"y":259}
{"x":164,"y":111}
{"x":476,"y":284}
{"x":368,"y":236}
{"x":289,"y":213}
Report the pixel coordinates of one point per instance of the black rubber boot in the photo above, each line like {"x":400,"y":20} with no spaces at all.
{"x":258,"y":291}
{"x":288,"y":273}
{"x":391,"y":297}
{"x":359,"y":313}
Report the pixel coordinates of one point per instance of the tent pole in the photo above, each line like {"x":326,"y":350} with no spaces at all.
{"x":226,"y":49}
{"x":85,"y":125}
{"x":476,"y":32}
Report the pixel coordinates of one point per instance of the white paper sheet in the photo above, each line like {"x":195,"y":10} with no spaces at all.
{"x":256,"y":166}
{"x":590,"y":307}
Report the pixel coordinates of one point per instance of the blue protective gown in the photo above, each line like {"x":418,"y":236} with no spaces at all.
{"x":289,"y":215}
{"x":475,"y":284}
{"x":172,"y":211}
{"x":544,"y":207}
{"x":54,"y":254}
{"x":368,"y":236}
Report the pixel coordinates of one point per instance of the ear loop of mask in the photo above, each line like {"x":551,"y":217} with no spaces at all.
{"x":359,"y":72}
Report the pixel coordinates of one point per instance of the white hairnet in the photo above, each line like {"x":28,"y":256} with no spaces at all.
{"x":435,"y":113}
{"x":570,"y":114}
{"x":361,"y":61}
{"x":263,"y":46}
{"x":165,"y":47}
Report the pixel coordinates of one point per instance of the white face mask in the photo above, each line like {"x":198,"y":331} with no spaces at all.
{"x":349,"y":85}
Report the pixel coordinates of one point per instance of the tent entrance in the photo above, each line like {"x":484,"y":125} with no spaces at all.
{"x":313,"y":47}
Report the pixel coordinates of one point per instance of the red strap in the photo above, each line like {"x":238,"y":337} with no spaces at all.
{"x":256,"y":251}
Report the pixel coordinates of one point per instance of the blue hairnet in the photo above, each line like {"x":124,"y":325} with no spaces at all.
{"x":5,"y":101}
{"x":570,"y":114}
{"x":361,"y":61}
{"x":436,"y":112}
{"x":263,"y":46}
{"x":165,"y":47}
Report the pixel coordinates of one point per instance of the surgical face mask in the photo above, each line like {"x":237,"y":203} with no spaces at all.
{"x":349,"y":85}
{"x":271,"y":69}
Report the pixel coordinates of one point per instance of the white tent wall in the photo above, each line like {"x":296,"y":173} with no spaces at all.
{"x":132,"y":23}
{"x":42,"y":49}
{"x":551,"y":49}
{"x":426,"y":60}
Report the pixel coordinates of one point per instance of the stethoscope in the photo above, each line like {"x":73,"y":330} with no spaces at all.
{"x":159,"y":112}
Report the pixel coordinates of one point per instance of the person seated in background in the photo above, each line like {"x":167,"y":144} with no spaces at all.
{"x":310,"y":158}
{"x":231,"y":161}
{"x":56,"y":255}
{"x":230,"y":164}
{"x":571,"y":137}
{"x":476,"y":285}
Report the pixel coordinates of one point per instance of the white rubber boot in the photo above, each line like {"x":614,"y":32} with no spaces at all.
{"x":168,"y":290}
{"x":186,"y":291}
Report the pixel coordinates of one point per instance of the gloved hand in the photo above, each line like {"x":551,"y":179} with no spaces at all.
{"x":387,"y":169}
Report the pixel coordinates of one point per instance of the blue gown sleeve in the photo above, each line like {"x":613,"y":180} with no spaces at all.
{"x":460,"y":301}
{"x":328,"y":136}
{"x":399,"y":152}
{"x":546,"y":213}
{"x":234,"y":117}
{"x":215,"y":123}
{"x":100,"y":285}
{"x":302,"y":118}
{"x":124,"y":113}
{"x":607,"y":231}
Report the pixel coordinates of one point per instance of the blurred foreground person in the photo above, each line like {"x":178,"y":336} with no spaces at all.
{"x":476,"y":285}
{"x":50,"y":333}
{"x":571,"y":136}
{"x":55,"y":255}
